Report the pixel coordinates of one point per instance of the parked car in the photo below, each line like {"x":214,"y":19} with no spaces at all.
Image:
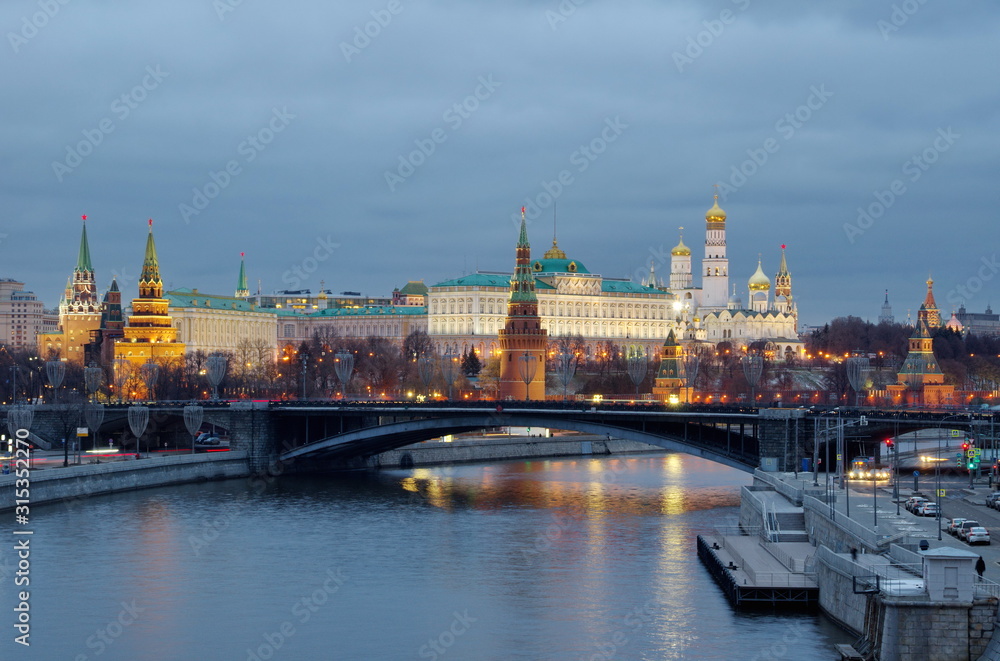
{"x":913,"y":501}
{"x":952,"y":526}
{"x":928,"y":509}
{"x":964,"y":528}
{"x":993,"y":500}
{"x":978,"y":535}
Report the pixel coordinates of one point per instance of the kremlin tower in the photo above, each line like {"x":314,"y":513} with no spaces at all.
{"x":150,"y":333}
{"x":715,"y":266}
{"x":522,"y":339}
{"x":79,"y":311}
{"x":921,"y":381}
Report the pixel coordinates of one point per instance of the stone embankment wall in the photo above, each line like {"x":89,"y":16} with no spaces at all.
{"x":76,"y":482}
{"x":503,"y":448}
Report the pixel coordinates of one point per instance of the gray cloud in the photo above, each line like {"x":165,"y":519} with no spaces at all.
{"x":324,"y":174}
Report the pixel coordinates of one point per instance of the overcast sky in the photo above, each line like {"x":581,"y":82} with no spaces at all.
{"x":370,"y":143}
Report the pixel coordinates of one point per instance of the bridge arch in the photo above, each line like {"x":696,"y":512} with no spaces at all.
{"x":381,"y":438}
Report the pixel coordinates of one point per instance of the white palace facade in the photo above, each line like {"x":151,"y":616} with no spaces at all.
{"x":468,"y":312}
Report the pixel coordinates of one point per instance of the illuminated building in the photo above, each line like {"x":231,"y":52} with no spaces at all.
{"x":150,"y":333}
{"x":921,"y":382}
{"x":522,"y":339}
{"x":79,"y":311}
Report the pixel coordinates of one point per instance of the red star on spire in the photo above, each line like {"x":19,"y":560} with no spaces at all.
{"x":150,"y":223}
{"x":242,"y":254}
{"x":84,"y":216}
{"x":782,"y":246}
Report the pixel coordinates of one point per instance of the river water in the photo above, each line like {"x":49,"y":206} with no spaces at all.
{"x":589,"y":559}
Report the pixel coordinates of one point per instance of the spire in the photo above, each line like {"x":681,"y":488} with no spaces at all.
{"x":522,"y":285}
{"x":150,"y":284}
{"x":783,"y":267}
{"x":242,"y":288}
{"x":83,"y":261}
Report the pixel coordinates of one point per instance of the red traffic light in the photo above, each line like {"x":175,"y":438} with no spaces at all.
{"x":888,"y":443}
{"x":965,"y":446}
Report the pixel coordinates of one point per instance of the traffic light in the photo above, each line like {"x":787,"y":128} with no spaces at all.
{"x":889,"y":444}
{"x":965,"y":446}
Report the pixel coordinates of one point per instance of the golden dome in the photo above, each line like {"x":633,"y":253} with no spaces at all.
{"x":681,"y":250}
{"x":759,"y":280}
{"x":555,"y":252}
{"x":716,"y":214}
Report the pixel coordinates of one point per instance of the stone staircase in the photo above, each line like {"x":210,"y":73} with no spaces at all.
{"x":791,"y":526}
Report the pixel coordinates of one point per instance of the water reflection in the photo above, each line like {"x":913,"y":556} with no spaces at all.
{"x":557,"y":559}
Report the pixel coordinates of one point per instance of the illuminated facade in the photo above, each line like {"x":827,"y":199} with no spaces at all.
{"x":150,"y":333}
{"x":522,"y":339}
{"x":79,"y":311}
{"x":921,"y":381}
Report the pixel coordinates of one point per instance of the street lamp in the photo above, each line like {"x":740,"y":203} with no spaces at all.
{"x":55,"y":370}
{"x":937,"y":470}
{"x":637,"y":365}
{"x":753,"y":367}
{"x":92,"y":378}
{"x":94,"y":414}
{"x":565,"y":368}
{"x":858,"y":369}
{"x":449,"y":363}
{"x":216,"y":365}
{"x":138,"y":418}
{"x":527,"y":366}
{"x":344,"y":367}
{"x":192,"y":421}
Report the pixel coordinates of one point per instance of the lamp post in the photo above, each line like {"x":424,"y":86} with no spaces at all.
{"x":344,"y":367}
{"x":304,"y":359}
{"x":94,"y":414}
{"x":858,"y":369}
{"x":93,"y":376}
{"x":527,"y":366}
{"x":138,"y":418}
{"x":565,"y":368}
{"x":120,"y":370}
{"x":193,"y":415}
{"x":55,"y":370}
{"x":753,"y":367}
{"x":20,"y":416}
{"x":692,"y":362}
{"x":449,"y":363}
{"x":937,"y":470}
{"x":637,"y":365}
{"x":216,"y":365}
{"x":426,"y":368}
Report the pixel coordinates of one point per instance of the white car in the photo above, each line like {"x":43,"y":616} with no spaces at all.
{"x":927,"y":509}
{"x":978,"y":535}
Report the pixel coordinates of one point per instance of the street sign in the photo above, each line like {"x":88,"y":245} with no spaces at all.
{"x":956,"y":432}
{"x":82,"y":431}
{"x":916,"y":473}
{"x":941,"y":493}
{"x":864,"y":421}
{"x":839,"y":456}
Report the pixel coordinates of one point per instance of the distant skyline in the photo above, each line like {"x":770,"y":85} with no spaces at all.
{"x":368,"y":144}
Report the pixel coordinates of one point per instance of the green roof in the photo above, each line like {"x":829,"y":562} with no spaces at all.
{"x":192,"y":298}
{"x":83,"y":260}
{"x":501,"y":280}
{"x":414,"y":288}
{"x":628,"y":287}
{"x":368,"y":311}
{"x":558,"y":266}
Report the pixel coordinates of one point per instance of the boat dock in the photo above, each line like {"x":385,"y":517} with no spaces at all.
{"x":754,"y":572}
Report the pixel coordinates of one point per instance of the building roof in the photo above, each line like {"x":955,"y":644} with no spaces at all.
{"x":192,"y":298}
{"x":557,"y":265}
{"x":368,"y":311}
{"x":501,"y":280}
{"x":414,"y":288}
{"x":628,"y":287}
